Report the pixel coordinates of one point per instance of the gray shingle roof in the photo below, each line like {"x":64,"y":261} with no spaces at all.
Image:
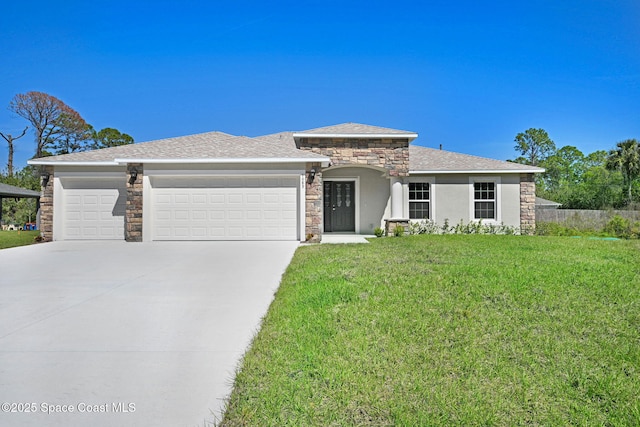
{"x":424,"y":159}
{"x":7,"y":190}
{"x":216,"y":146}
{"x":211,"y":145}
{"x":356,"y":129}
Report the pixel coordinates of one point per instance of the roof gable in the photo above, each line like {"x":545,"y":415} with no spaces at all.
{"x":355,"y":130}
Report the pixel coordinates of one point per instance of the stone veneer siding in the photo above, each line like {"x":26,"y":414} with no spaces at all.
{"x":313,"y":205}
{"x":46,"y":207}
{"x":527,"y":203}
{"x":388,"y":153}
{"x":133,"y":210}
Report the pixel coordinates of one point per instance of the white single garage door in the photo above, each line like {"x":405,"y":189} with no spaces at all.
{"x":93,"y":208}
{"x":224,"y":208}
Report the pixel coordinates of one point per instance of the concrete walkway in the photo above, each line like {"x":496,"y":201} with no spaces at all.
{"x":129,"y":334}
{"x":337,"y":238}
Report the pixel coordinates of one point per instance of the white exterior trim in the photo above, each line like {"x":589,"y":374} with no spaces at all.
{"x":411,"y":136}
{"x":58,"y":206}
{"x":357,"y":199}
{"x":302,"y":208}
{"x":38,"y":162}
{"x":498,"y":201}
{"x":118,"y":162}
{"x":432,"y":195}
{"x":476,"y":171}
{"x":92,"y":174}
{"x":147,"y":214}
{"x":218,"y":173}
{"x":324,"y":160}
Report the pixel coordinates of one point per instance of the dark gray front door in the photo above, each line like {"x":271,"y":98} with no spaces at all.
{"x":339,"y":206}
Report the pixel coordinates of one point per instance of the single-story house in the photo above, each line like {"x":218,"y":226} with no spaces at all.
{"x":347,"y":178}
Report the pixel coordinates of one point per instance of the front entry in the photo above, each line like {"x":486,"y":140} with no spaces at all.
{"x":339,"y":206}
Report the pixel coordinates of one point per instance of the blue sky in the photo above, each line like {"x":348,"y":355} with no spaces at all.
{"x":468,"y":75}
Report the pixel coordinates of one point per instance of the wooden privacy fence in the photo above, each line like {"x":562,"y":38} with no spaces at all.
{"x":582,"y":217}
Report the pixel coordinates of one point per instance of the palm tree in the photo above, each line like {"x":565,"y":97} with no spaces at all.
{"x":626,"y":159}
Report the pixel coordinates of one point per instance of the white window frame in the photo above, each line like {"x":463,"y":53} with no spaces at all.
{"x":432,"y":196}
{"x":498,"y":198}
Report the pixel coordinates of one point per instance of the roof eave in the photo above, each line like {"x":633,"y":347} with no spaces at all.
{"x":474,"y":171}
{"x":229,"y":160}
{"x":119,"y":162}
{"x":42,"y":162}
{"x":410,"y":136}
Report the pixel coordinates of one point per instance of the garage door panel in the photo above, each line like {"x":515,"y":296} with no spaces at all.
{"x":235,"y":215}
{"x":254,"y":198}
{"x":218,"y":199}
{"x":254,"y":214}
{"x":245,"y":208}
{"x":289,"y":215}
{"x":182,"y":215}
{"x":216,"y":215}
{"x":90,"y":215}
{"x":200,"y":199}
{"x":162,"y":199}
{"x":235,"y":198}
{"x":93,"y":208}
{"x":199,"y":215}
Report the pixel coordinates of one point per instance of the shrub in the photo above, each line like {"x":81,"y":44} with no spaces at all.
{"x":474,"y":227}
{"x":398,"y":231}
{"x":426,"y":226}
{"x":622,"y":227}
{"x":555,"y":229}
{"x":378,"y":231}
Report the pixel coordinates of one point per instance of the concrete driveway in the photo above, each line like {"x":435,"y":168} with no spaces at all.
{"x":129,"y":334}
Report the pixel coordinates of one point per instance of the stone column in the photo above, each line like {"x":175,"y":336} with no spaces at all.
{"x":46,"y":205}
{"x":313,"y":204}
{"x":133,"y":210}
{"x":527,"y":203}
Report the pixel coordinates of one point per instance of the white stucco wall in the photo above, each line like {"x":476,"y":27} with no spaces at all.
{"x":452,"y":198}
{"x":373,"y":189}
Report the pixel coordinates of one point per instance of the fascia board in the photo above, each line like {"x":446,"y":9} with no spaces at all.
{"x":62,"y":163}
{"x":118,"y":162}
{"x":475,"y":171}
{"x":227,"y":160}
{"x":410,"y":136}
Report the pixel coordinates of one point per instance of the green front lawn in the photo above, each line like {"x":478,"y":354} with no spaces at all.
{"x":10,"y":239}
{"x":449,"y":330}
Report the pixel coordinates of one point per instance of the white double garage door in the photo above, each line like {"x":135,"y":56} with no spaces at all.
{"x":187,"y":208}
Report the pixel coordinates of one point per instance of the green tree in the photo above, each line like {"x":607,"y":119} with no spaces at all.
{"x":75,"y":136}
{"x":581,"y":182}
{"x":626,"y":159}
{"x":52,"y":119}
{"x":110,"y":137}
{"x":21,"y":210}
{"x":564,"y":168}
{"x":534,"y":145}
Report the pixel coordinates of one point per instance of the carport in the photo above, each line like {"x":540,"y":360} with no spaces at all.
{"x":13,"y":192}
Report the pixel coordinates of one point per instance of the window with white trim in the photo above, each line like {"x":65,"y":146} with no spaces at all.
{"x":419,"y":200}
{"x":484,"y":200}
